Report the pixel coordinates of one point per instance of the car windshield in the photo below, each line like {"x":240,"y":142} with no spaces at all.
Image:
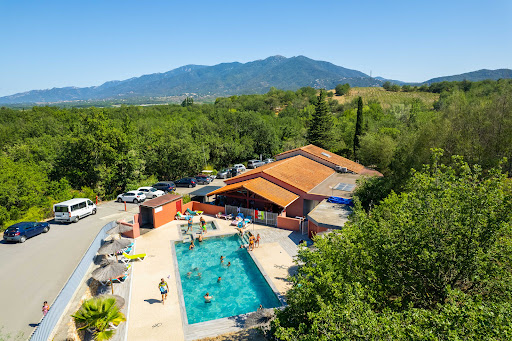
{"x":153,"y":189}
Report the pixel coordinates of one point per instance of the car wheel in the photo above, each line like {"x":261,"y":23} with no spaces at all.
{"x":76,"y":219}
{"x":46,"y":229}
{"x":119,"y":200}
{"x":190,"y":186}
{"x":135,"y":201}
{"x":22,"y":239}
{"x":94,"y":211}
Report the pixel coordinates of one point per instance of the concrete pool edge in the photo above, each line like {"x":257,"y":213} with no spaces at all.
{"x":223,"y":325}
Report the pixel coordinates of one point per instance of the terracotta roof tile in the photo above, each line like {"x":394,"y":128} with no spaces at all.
{"x":264,"y":189}
{"x":332,"y":158}
{"x":298,"y":171}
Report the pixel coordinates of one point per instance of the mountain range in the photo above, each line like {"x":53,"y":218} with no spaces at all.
{"x":228,"y":79}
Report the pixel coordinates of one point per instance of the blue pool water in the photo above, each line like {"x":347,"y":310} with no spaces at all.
{"x":196,"y":227}
{"x":241,"y":290}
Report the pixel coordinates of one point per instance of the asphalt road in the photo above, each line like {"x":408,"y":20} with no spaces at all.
{"x":36,"y":271}
{"x":186,"y":190}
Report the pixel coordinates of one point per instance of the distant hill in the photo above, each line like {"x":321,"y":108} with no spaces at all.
{"x":227,"y":79}
{"x":219,"y":80}
{"x":474,"y":76}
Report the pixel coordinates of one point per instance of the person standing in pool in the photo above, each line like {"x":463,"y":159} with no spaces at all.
{"x":219,"y":279}
{"x":189,"y":223}
{"x":208,"y":298}
{"x":191,"y":245}
{"x":229,"y":264}
{"x":221,"y":259}
{"x":164,"y":288}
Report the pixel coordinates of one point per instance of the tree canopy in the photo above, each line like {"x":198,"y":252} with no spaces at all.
{"x":432,"y":262}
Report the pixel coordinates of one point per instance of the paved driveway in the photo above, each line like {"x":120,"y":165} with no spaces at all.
{"x":36,"y":271}
{"x":186,"y":190}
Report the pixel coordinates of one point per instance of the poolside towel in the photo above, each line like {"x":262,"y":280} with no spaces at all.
{"x":339,"y":200}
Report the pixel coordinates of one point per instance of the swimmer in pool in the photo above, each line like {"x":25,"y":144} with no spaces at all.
{"x":229,"y":264}
{"x":219,"y":279}
{"x":189,"y":274}
{"x":208,"y":298}
{"x":221,"y":259}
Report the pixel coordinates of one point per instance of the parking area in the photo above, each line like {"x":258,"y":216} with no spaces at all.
{"x":186,"y":190}
{"x":39,"y":268}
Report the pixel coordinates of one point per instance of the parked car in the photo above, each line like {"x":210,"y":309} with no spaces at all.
{"x":240,"y":167}
{"x":166,"y":186}
{"x":186,"y":182}
{"x":269,"y":160}
{"x":151,"y":192}
{"x":224,"y":174}
{"x":234,"y":172}
{"x":131,"y":196}
{"x":255,"y":164}
{"x":22,"y":231}
{"x":74,"y":209}
{"x":203,"y":179}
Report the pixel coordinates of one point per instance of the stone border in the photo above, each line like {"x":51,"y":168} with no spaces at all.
{"x":222,"y":325}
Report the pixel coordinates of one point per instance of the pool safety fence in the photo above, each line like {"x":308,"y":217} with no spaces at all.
{"x":45,"y":328}
{"x":262,"y":217}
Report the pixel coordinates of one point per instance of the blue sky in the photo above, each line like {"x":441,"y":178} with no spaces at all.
{"x":45,"y":44}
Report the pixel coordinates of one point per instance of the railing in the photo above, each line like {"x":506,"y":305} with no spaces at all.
{"x":58,"y":307}
{"x":267,"y":218}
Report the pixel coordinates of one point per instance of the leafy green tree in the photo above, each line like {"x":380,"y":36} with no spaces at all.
{"x":359,"y":125}
{"x":387,"y":85}
{"x":342,"y":89}
{"x":99,"y":314}
{"x":395,"y":88}
{"x":429,"y":263}
{"x":376,"y":150}
{"x":320,"y":129}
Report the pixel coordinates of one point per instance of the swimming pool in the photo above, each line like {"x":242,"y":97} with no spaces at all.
{"x":196,"y":227}
{"x":242,"y":287}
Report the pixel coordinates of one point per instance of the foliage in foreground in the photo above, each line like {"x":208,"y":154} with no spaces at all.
{"x":97,"y":314}
{"x":431,"y":263}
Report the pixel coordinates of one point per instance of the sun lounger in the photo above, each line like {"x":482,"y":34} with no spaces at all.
{"x":127,"y":257}
{"x":180,"y":216}
{"x":119,"y":279}
{"x":189,"y":211}
{"x":224,"y":216}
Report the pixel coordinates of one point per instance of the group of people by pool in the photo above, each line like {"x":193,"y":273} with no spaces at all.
{"x":203,"y":230}
{"x":253,"y":241}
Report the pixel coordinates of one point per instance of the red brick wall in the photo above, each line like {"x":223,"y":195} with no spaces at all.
{"x":314,"y":229}
{"x":288,"y":223}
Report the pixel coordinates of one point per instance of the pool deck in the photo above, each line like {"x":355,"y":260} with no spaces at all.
{"x":152,"y":320}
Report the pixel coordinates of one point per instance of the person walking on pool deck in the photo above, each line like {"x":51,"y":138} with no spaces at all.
{"x":203,"y":222}
{"x":251,"y":243}
{"x":208,"y":298}
{"x":257,"y":242}
{"x":46,"y":307}
{"x":164,"y":288}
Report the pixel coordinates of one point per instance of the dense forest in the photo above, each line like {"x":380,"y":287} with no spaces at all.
{"x":48,"y":154}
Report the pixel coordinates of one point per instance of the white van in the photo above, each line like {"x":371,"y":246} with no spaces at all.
{"x":74,"y":209}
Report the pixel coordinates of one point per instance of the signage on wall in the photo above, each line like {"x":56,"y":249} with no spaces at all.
{"x":158,"y":209}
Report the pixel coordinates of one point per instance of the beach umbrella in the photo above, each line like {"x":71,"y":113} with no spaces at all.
{"x":108,"y":272}
{"x":119,"y":228}
{"x":119,"y":300}
{"x":113,"y":246}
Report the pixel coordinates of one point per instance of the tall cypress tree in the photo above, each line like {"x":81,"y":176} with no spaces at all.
{"x":359,"y":125}
{"x":320,"y":129}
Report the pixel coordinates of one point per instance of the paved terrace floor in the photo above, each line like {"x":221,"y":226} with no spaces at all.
{"x":152,"y":320}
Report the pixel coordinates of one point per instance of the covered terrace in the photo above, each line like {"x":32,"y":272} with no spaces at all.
{"x":258,"y":194}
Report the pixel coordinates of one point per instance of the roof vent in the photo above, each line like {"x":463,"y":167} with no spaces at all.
{"x":325,"y":154}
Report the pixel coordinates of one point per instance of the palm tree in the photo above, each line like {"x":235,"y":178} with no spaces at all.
{"x":99,"y":315}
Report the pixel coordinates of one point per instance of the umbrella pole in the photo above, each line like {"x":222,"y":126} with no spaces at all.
{"x":112,"y":286}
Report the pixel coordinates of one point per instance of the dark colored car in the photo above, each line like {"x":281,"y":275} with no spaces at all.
{"x":166,"y":186}
{"x":186,"y":182}
{"x":203,"y":179}
{"x":22,"y":231}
